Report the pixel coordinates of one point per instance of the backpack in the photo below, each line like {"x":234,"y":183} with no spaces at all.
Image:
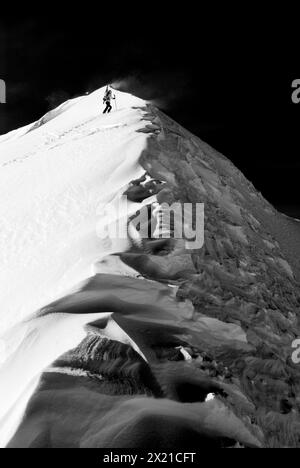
{"x":107,"y":96}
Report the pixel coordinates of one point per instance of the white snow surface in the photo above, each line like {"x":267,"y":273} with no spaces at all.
{"x":53,"y":179}
{"x":56,"y":176}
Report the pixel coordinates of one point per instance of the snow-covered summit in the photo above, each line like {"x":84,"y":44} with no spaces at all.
{"x":53,"y":176}
{"x":178,"y":325}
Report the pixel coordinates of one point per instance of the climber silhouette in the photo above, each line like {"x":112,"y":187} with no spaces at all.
{"x":107,"y":99}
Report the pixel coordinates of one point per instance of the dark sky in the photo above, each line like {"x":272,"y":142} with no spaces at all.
{"x":229,"y":85}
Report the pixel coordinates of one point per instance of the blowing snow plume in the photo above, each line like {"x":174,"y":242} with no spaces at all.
{"x":122,"y":340}
{"x":152,"y":88}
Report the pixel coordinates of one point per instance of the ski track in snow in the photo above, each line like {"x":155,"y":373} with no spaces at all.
{"x":53,"y":178}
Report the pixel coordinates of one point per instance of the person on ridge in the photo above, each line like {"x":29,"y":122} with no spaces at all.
{"x":108,"y":96}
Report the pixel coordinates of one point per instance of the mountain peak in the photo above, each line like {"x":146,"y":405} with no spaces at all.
{"x":199,"y":341}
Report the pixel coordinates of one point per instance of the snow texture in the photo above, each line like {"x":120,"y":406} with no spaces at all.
{"x":56,"y":176}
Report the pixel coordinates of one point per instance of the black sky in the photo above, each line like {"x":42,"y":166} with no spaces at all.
{"x":230,"y":86}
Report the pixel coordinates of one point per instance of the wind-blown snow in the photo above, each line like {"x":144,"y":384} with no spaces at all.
{"x":54,"y":176}
{"x":52,"y":181}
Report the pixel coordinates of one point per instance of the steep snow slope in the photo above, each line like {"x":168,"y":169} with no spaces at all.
{"x":53,"y":178}
{"x":131,"y":356}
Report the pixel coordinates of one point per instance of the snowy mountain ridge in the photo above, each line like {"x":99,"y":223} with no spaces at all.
{"x":52,"y":177}
{"x":102,"y":339}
